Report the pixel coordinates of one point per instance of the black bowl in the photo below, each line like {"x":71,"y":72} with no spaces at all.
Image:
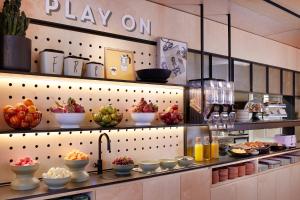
{"x":154,"y":75}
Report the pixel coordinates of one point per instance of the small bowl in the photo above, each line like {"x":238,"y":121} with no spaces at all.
{"x":185,"y":161}
{"x":143,"y":118}
{"x":69,"y":120}
{"x":57,"y":183}
{"x":149,"y":166}
{"x":168,"y":163}
{"x":154,"y":75}
{"x":77,"y":167}
{"x":123,"y":170}
{"x":110,"y":124}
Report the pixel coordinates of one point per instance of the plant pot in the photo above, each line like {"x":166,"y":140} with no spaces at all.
{"x":15,"y":53}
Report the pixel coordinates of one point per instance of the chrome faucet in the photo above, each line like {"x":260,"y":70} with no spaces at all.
{"x":99,"y":163}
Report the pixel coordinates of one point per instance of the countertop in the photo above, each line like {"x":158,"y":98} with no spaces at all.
{"x":109,"y":178}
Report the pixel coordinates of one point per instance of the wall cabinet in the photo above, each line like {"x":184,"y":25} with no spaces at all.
{"x":195,"y":185}
{"x":241,"y":76}
{"x":274,"y":81}
{"x":220,"y":68}
{"x":287,"y":83}
{"x":297,"y":84}
{"x":259,"y":79}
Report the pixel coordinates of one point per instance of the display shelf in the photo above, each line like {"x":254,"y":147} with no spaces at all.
{"x":239,"y":126}
{"x":263,"y":124}
{"x":86,"y":78}
{"x":129,"y":126}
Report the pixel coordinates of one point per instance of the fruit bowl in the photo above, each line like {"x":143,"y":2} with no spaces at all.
{"x":69,"y":115}
{"x":172,"y":116}
{"x":25,"y":179}
{"x":108,"y":117}
{"x":22,"y":116}
{"x":69,"y":120}
{"x":142,"y":119}
{"x":123,"y":166}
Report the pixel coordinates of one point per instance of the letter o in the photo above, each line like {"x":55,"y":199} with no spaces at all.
{"x":132,"y":25}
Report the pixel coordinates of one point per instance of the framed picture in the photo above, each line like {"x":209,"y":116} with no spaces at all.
{"x":119,"y":64}
{"x":172,"y":55}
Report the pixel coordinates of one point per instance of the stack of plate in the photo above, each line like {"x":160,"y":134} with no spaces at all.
{"x":242,"y":116}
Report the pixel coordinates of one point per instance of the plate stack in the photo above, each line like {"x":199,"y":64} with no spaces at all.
{"x":242,"y":170}
{"x":215,"y":176}
{"x":223,"y":174}
{"x":250,"y":168}
{"x":242,"y":116}
{"x":233,"y":172}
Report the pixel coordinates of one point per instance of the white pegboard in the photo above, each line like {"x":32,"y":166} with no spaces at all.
{"x":86,"y":45}
{"x":50,"y":148}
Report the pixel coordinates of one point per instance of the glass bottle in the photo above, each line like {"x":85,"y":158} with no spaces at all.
{"x":207,"y":149}
{"x":198,"y":150}
{"x":215,"y":148}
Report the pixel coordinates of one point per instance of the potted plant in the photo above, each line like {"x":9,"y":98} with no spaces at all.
{"x":15,"y":48}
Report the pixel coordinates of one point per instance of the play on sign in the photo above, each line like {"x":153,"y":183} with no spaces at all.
{"x":89,"y":15}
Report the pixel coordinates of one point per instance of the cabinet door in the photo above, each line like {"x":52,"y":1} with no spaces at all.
{"x":283,"y":186}
{"x":295,"y":182}
{"x":123,"y":191}
{"x":220,"y":68}
{"x":297,"y":84}
{"x":287,"y":81}
{"x":246,"y":189}
{"x":195,"y":185}
{"x":241,"y":76}
{"x":274,"y":81}
{"x":267,"y":186}
{"x":162,"y":188}
{"x":224,"y":192}
{"x":259,"y":78}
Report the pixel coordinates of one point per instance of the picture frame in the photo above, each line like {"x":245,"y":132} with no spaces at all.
{"x":172,"y":55}
{"x":119,"y":64}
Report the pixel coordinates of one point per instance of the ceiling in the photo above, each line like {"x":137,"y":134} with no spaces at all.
{"x":278,"y":20}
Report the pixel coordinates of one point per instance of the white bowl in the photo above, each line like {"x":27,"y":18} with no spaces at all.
{"x":56,"y":183}
{"x":77,"y":167}
{"x":123,"y":169}
{"x":168,"y":163}
{"x":69,"y":120}
{"x":149,"y":166}
{"x":143,"y":118}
